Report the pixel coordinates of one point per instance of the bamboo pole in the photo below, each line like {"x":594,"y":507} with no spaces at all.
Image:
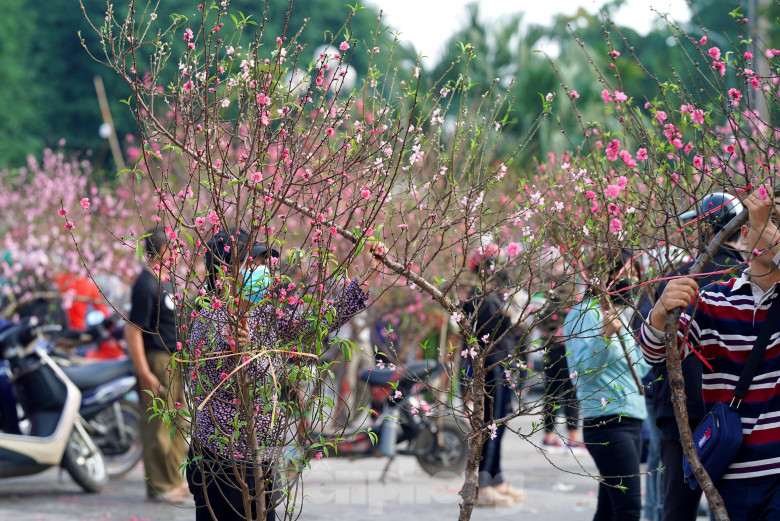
{"x":105,"y":112}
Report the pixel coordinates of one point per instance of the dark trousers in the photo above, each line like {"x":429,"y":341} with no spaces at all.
{"x":680,"y":502}
{"x":213,"y":477}
{"x":615,"y":445}
{"x":490,"y":465}
{"x":559,"y":392}
{"x":752,"y":499}
{"x":654,"y":491}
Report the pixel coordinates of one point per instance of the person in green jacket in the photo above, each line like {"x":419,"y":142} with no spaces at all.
{"x":605,"y":364}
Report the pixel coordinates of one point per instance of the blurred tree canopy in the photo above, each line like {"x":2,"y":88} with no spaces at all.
{"x":47,"y":91}
{"x":506,"y":49}
{"x":47,"y":87}
{"x":20,"y":88}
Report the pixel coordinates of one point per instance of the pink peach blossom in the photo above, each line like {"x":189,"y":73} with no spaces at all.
{"x":615,"y":225}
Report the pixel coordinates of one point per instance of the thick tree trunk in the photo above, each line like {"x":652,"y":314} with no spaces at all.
{"x":677,"y":384}
{"x":470,"y":484}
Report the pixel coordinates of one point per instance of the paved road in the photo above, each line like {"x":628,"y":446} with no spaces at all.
{"x":335,"y":489}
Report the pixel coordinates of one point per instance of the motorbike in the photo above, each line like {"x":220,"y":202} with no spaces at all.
{"x":40,"y":425}
{"x":109,"y":404}
{"x":101,"y":340}
{"x":405,"y":425}
{"x":109,"y":401}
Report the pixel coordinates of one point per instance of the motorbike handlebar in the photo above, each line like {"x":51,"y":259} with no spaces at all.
{"x":15,"y":338}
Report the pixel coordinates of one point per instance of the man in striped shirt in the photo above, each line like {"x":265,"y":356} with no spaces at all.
{"x":722,"y":322}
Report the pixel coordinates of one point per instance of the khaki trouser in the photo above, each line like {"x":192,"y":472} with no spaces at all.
{"x":162,"y":455}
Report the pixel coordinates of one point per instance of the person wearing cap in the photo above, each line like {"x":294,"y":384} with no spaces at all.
{"x":489,"y":321}
{"x":227,"y":456}
{"x":258,"y":276}
{"x":680,"y":503}
{"x":151,"y":338}
{"x":260,"y":254}
{"x":721,"y":322}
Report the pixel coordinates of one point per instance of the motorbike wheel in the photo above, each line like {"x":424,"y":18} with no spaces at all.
{"x":448,"y":456}
{"x":121,"y":450}
{"x":84,"y":462}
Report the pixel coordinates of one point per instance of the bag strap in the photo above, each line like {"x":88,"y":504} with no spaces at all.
{"x":757,"y":353}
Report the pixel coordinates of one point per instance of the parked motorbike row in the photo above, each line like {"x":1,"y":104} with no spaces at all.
{"x":56,"y":410}
{"x":109,"y":402}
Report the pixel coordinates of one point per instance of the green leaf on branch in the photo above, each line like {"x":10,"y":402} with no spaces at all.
{"x":176,"y":149}
{"x":189,"y":237}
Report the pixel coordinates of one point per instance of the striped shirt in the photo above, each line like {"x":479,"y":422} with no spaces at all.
{"x":723,"y":326}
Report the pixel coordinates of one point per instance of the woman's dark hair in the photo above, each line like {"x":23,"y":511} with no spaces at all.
{"x":610,"y":263}
{"x":156,"y":241}
{"x":217,"y":256}
{"x":617,"y":259}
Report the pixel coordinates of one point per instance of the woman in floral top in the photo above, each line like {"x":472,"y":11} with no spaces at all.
{"x":237,"y":448}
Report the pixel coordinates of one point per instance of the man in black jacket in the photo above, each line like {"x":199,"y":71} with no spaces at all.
{"x":494,"y":331}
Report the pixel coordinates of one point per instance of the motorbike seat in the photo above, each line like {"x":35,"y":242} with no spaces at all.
{"x":89,"y":376}
{"x":377,"y":376}
{"x":95,"y":333}
{"x":419,"y":371}
{"x":75,"y":334}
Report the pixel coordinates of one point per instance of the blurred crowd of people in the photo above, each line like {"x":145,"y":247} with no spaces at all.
{"x":603,"y":364}
{"x":591,"y":340}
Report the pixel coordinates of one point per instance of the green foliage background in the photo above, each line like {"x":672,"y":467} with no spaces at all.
{"x":46,"y":77}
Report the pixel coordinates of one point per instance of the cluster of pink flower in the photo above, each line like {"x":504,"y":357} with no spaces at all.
{"x":35,"y":250}
{"x":616,"y":96}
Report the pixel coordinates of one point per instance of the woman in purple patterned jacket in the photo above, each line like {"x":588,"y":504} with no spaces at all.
{"x":234,"y":444}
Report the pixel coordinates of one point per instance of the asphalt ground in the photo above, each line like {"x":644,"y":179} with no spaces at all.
{"x":557,"y":486}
